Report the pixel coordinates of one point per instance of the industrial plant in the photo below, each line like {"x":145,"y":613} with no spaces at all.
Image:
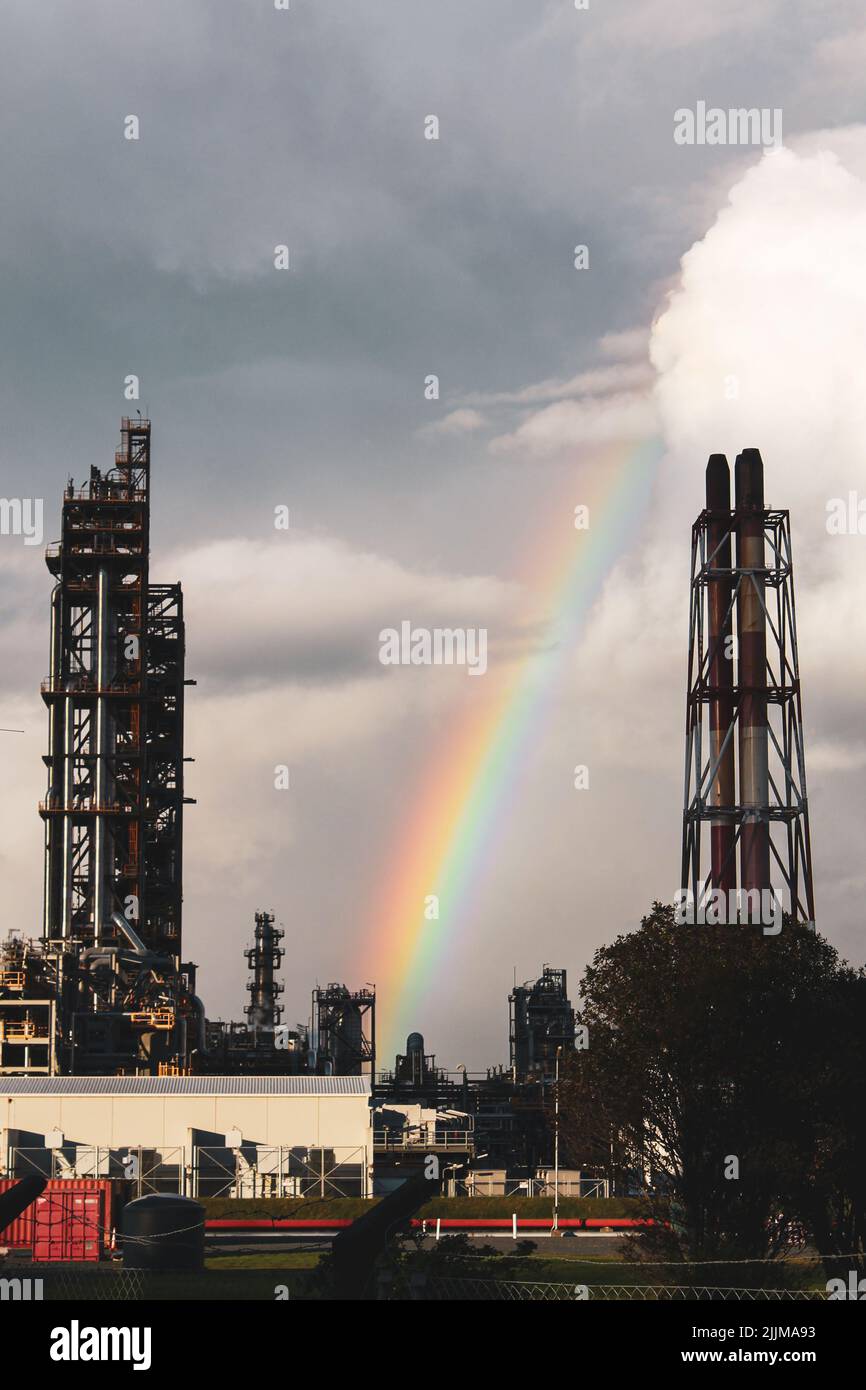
{"x":102,"y":1007}
{"x":433,"y":756}
{"x":101,"y":1012}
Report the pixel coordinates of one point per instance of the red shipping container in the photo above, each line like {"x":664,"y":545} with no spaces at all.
{"x":70,"y":1222}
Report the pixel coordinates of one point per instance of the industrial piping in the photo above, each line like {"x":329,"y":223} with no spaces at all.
{"x":721,"y":672}
{"x":752,"y":634}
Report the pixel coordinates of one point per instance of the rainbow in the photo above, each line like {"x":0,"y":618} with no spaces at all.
{"x":446,"y":840}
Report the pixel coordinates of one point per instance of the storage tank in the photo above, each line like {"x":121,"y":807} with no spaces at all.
{"x":163,"y":1232}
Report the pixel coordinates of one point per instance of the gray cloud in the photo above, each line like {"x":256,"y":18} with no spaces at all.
{"x":306,"y":388}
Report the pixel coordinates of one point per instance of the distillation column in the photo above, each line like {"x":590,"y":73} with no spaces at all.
{"x":264,"y":958}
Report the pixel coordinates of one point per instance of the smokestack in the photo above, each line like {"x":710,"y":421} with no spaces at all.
{"x":752,"y":643}
{"x":721,"y":671}
{"x":743,"y":808}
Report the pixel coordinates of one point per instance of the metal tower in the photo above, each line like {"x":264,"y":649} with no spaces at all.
{"x":745,"y":773}
{"x":541,"y":1020}
{"x":344,"y":1031}
{"x":264,"y":958}
{"x":113,"y":810}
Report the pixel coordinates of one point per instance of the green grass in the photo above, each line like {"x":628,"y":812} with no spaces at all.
{"x":265,"y":1259}
{"x":337,"y":1208}
{"x":303,"y":1208}
{"x":234,"y":1284}
{"x":541,"y":1268}
{"x":500,"y":1207}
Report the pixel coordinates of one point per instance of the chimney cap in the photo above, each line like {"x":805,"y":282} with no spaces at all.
{"x":749,"y":480}
{"x":718,"y":484}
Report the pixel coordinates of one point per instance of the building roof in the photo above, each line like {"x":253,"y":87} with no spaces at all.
{"x":185,"y":1086}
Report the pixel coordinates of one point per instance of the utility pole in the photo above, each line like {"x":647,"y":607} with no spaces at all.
{"x":556,"y":1144}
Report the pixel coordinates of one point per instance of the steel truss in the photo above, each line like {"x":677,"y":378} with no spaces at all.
{"x":786,"y":812}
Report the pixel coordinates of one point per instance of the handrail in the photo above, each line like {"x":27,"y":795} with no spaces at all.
{"x":84,"y":685}
{"x":421,"y":1137}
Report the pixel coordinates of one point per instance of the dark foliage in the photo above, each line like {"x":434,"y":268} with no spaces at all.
{"x":725,"y":1072}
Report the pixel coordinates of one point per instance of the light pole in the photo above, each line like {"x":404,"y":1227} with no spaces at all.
{"x":452,"y":1182}
{"x":556,"y":1144}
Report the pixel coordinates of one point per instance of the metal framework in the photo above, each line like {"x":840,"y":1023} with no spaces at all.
{"x":743,"y":701}
{"x":260,"y":1170}
{"x":344,"y":1031}
{"x":541,"y":1020}
{"x":163,"y":827}
{"x":113,"y":810}
{"x":145,"y":1170}
{"x":28,"y":1007}
{"x":96,"y":807}
{"x":264,"y":958}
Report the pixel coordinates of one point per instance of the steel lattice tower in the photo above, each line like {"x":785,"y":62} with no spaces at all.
{"x":114,"y":805}
{"x":745,"y":778}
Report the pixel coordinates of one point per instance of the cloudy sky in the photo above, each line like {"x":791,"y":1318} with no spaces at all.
{"x":305,"y":388}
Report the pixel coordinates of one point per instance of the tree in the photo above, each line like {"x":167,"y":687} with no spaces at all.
{"x":724,"y":1076}
{"x":831,"y":1195}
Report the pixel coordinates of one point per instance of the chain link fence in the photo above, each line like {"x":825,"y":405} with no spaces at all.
{"x":110,"y":1283}
{"x":103,"y":1284}
{"x":30,"y":1283}
{"x":511,"y":1291}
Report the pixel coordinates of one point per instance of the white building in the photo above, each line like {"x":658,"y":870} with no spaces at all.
{"x":231,"y":1136}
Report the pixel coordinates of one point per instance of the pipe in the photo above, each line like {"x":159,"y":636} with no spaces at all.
{"x":202,"y":1027}
{"x":66,"y":821}
{"x":752,"y":643}
{"x":102,"y":955}
{"x":131,"y":935}
{"x":53,"y":828}
{"x":721,"y":671}
{"x":101,"y":884}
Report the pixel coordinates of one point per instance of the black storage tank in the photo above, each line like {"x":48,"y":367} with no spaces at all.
{"x":163,"y":1231}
